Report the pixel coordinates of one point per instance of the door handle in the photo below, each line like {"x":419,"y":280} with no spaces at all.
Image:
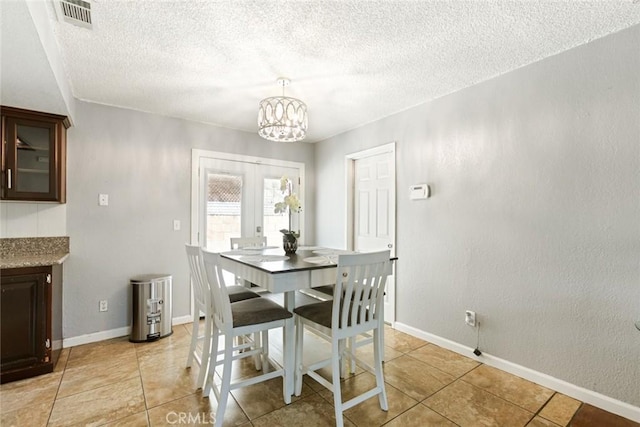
{"x":258,"y":229}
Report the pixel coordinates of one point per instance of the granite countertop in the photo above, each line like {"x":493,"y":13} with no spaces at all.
{"x":33,"y":251}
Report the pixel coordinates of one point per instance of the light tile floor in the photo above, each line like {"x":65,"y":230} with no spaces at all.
{"x":118,"y":383}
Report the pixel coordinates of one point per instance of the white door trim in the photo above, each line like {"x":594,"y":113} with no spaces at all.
{"x":350,"y":202}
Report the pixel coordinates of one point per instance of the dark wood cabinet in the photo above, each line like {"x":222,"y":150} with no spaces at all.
{"x":31,"y":321}
{"x":33,"y":155}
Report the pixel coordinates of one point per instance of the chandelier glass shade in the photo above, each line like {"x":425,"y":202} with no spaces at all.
{"x":281,"y":118}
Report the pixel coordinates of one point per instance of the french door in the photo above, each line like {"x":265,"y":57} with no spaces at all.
{"x":236,"y":198}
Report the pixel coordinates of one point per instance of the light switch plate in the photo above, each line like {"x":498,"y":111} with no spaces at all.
{"x":176,"y":225}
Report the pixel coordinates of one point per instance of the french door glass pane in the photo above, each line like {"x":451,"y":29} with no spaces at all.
{"x":273,"y":222}
{"x":237,"y":199}
{"x":224,"y":207}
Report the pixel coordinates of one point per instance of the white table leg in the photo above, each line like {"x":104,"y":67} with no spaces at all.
{"x":289,"y":345}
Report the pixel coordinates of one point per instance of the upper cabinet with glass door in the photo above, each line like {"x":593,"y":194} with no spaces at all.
{"x":33,"y":155}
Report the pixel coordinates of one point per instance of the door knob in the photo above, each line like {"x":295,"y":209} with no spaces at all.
{"x":389,"y":245}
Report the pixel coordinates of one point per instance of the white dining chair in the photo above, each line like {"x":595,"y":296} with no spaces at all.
{"x":203,"y":305}
{"x":326,"y":293}
{"x":246,"y":242}
{"x":239,"y":243}
{"x":256,"y":315}
{"x":356,"y":308}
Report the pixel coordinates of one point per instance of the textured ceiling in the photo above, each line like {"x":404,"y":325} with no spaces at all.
{"x":352,"y":62}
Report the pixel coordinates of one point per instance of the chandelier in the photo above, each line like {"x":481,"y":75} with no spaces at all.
{"x":281,"y":118}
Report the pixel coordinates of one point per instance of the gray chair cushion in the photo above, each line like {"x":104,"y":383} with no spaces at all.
{"x":257,"y":310}
{"x":240,"y":293}
{"x":328,"y":289}
{"x":319,"y":312}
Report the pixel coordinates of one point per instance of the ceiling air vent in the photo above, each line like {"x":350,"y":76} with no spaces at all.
{"x":76,"y":12}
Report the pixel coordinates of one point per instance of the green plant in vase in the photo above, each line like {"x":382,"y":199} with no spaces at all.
{"x":290,"y":204}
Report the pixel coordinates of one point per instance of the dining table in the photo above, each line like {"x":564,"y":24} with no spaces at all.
{"x":270,"y":268}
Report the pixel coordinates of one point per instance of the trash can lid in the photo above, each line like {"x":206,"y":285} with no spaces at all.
{"x":143,"y":278}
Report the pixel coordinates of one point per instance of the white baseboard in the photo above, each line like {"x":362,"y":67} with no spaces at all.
{"x":113,"y":333}
{"x":96,"y":336}
{"x":182,"y":320}
{"x":580,"y":393}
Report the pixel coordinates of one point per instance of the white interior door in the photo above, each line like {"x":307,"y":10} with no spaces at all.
{"x":374,"y":209}
{"x":236,"y":199}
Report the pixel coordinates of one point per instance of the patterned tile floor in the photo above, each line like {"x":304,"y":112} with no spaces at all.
{"x":118,"y":383}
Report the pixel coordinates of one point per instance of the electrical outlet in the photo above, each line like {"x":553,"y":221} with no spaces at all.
{"x":470,"y":318}
{"x":103,"y":199}
{"x":104,"y":306}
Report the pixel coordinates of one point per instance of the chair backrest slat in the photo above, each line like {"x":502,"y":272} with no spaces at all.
{"x":359,"y":289}
{"x":198,"y":280}
{"x":243,"y":242}
{"x":218,"y":290}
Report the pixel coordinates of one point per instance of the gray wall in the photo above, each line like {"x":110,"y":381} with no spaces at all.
{"x":143,"y":161}
{"x":534,"y":221}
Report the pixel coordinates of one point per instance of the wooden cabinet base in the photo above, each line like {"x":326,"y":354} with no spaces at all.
{"x":22,"y":373}
{"x":31,"y":371}
{"x":31,"y":321}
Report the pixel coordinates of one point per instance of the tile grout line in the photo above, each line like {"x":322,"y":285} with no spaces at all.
{"x":144,"y":396}
{"x":445,"y":372}
{"x":544,"y":405}
{"x":435,"y":392}
{"x":501,"y":398}
{"x":230,"y":394}
{"x":506,"y":400}
{"x":147,"y":409}
{"x":195,"y":393}
{"x":421,"y":402}
{"x":509,"y":401}
{"x":575,"y":413}
{"x":139,"y":353}
{"x":102,"y":386}
{"x":456,"y":380}
{"x":418,"y":402}
{"x":55,"y":397}
{"x":403,"y":412}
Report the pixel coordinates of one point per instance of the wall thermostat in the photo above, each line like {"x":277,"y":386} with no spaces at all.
{"x":419,"y":191}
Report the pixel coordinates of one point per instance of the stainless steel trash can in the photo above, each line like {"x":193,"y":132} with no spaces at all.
{"x":151,"y":307}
